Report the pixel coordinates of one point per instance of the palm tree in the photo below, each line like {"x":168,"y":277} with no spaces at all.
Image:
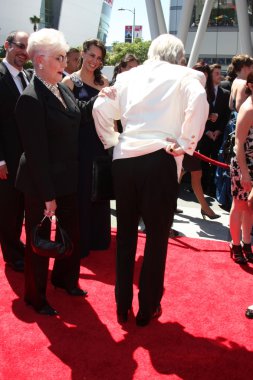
{"x":35,"y":21}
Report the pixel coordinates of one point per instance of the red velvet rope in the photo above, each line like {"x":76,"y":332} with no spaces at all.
{"x":210,"y":160}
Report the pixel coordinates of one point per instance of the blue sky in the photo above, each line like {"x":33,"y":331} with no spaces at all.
{"x":121,"y":18}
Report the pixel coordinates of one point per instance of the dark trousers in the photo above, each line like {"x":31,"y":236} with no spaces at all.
{"x":11,"y":221}
{"x":147,"y":187}
{"x":65,"y":271}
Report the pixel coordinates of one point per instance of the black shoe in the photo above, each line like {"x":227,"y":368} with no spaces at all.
{"x":246,"y":249}
{"x":237,"y":255}
{"x":73,"y":291}
{"x":47,"y":310}
{"x":17,"y":266}
{"x":206,"y":215}
{"x":77,"y":292}
{"x":249,"y":312}
{"x":142,"y":320}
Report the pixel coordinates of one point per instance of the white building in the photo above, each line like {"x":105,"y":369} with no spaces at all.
{"x":222,"y":38}
{"x":214,"y":30}
{"x":77,"y":19}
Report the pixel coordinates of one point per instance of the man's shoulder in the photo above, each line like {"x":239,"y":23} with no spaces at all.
{"x":29,"y":92}
{"x":224,"y":92}
{"x":3,"y":69}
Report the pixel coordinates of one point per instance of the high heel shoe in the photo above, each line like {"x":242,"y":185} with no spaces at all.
{"x":246,"y":249}
{"x":236,"y":254}
{"x":206,"y":215}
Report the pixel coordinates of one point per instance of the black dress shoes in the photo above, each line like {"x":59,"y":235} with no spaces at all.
{"x":47,"y":310}
{"x":77,"y":292}
{"x":17,"y":266}
{"x":142,"y":320}
{"x":44,"y":310}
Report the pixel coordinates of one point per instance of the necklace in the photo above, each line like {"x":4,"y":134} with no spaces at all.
{"x":54,"y":89}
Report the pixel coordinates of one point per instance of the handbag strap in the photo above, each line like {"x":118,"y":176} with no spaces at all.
{"x":50,"y":218}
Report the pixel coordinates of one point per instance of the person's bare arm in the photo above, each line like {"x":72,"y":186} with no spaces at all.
{"x":68,"y":82}
{"x":241,"y":95}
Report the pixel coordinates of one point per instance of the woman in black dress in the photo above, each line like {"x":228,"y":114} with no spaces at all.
{"x":95,"y":219}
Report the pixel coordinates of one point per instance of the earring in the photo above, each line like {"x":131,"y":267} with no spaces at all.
{"x":40,"y":66}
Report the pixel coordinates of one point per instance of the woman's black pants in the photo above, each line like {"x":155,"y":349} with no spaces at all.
{"x":65,"y":271}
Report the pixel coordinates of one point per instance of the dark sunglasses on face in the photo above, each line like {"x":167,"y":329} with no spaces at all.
{"x":19,"y":45}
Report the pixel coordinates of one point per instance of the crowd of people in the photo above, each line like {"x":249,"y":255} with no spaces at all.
{"x":56,"y":119}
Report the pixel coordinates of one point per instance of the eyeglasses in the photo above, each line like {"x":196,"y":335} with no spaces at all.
{"x":61,"y":58}
{"x":19,"y":45}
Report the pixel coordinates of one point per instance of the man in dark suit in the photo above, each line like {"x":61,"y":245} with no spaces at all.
{"x":12,"y":85}
{"x":211,"y":141}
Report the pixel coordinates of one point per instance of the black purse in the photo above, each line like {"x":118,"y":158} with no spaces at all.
{"x":58,"y":249}
{"x":102,"y":181}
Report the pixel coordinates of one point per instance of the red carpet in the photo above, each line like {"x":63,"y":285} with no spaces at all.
{"x":202,"y":333}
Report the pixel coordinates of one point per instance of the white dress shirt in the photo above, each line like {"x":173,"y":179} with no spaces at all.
{"x":155,"y":101}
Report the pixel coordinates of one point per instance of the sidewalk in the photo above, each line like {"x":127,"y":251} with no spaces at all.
{"x":190,"y":223}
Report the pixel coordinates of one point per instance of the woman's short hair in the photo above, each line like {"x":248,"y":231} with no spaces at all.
{"x":240,"y":60}
{"x":46,"y":40}
{"x":167,"y":48}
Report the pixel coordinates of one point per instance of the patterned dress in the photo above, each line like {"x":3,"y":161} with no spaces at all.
{"x":237,"y":190}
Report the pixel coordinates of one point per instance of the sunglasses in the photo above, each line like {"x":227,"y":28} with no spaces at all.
{"x":19,"y":45}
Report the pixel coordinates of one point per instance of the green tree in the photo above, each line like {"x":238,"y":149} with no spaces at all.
{"x":120,"y":49}
{"x":35,"y":21}
{"x":2,"y":51}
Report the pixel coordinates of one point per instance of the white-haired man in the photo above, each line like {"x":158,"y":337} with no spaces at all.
{"x":163,"y":109}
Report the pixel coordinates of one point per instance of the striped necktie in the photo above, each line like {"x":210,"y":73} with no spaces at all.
{"x":21,"y":76}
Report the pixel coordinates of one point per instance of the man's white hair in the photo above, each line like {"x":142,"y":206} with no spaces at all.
{"x":167,"y":48}
{"x":46,"y":41}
